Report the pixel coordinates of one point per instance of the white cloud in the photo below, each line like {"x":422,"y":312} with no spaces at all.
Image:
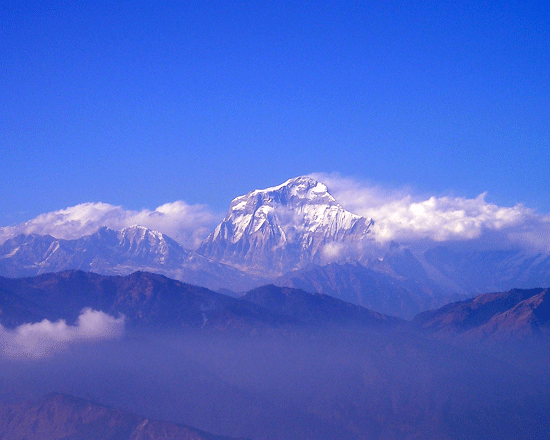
{"x":407,"y":218}
{"x":443,"y":218}
{"x":332,"y":251}
{"x":37,"y":340}
{"x":187,"y":224}
{"x":399,"y":214}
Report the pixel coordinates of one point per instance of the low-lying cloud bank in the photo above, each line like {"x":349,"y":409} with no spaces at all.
{"x":187,"y":224}
{"x":406,"y":218}
{"x":40,"y":339}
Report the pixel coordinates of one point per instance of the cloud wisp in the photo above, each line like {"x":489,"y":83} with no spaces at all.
{"x":41,"y":339}
{"x":187,"y":224}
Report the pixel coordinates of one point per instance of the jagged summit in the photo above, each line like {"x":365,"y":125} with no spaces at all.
{"x":292,"y":191}
{"x":106,"y":250}
{"x":284,"y":227}
{"x":141,"y":240}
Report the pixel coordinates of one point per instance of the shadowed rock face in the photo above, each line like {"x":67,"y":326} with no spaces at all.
{"x":58,"y":416}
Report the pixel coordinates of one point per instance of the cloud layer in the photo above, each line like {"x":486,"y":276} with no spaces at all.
{"x":37,"y":340}
{"x":187,"y":224}
{"x":401,"y":216}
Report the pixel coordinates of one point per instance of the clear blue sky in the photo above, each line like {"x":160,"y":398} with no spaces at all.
{"x":146,"y":102}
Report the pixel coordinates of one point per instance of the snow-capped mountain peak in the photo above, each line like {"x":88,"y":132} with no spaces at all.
{"x":140,"y":241}
{"x":293,"y":190}
{"x":137,"y":234}
{"x":284,"y":227}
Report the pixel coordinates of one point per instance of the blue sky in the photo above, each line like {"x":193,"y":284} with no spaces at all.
{"x":143,"y":103}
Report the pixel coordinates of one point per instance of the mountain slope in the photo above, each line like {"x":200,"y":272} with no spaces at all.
{"x":154,"y":301}
{"x":282,"y":228}
{"x":106,"y":249}
{"x":315,"y":309}
{"x":496,"y":315}
{"x":58,"y":416}
{"x":388,"y":293}
{"x":490,"y":270}
{"x":147,"y":300}
{"x":291,"y":235}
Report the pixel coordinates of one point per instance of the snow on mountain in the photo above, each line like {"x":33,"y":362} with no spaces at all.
{"x":105,"y":250}
{"x":285,"y":227}
{"x":139,"y":241}
{"x":122,"y":252}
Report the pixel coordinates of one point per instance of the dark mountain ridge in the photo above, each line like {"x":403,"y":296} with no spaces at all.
{"x":59,"y":416}
{"x":145,"y":299}
{"x":152,"y":300}
{"x":515,"y":313}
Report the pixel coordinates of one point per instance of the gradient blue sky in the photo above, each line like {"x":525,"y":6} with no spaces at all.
{"x":142,"y":103}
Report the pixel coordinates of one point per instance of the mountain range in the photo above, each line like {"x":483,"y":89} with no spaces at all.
{"x":153,"y":301}
{"x":277,"y":363}
{"x":286,"y":322}
{"x":118,"y":252}
{"x":150,"y":300}
{"x":297,"y":235}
